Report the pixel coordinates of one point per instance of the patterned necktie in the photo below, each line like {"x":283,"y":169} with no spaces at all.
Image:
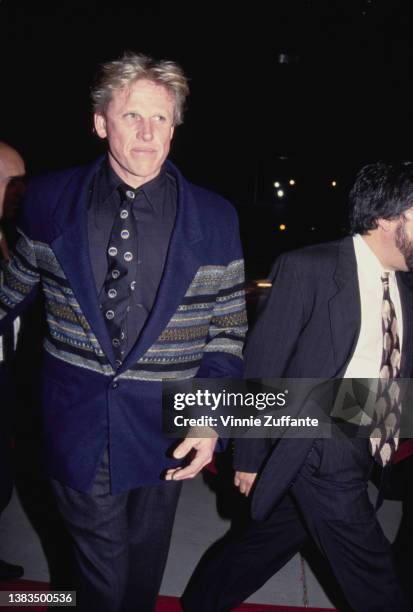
{"x":386,"y":419}
{"x":121,"y":276}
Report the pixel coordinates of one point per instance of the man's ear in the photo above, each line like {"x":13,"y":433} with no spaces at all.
{"x":100,"y":125}
{"x":385,"y":224}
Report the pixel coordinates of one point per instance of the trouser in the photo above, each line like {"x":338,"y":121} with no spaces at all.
{"x":329,"y":502}
{"x":401,"y":485}
{"x":121,"y":542}
{"x":6,"y":472}
{"x":7,"y":405}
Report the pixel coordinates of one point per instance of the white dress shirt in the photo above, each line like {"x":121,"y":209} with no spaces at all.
{"x":366,"y":359}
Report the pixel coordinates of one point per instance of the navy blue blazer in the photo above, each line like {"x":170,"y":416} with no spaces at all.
{"x":196,"y":327}
{"x":308,"y":329}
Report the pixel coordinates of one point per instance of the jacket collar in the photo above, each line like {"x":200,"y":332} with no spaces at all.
{"x":405,"y":285}
{"x":345,"y":306}
{"x":345,"y":310}
{"x":71,"y":247}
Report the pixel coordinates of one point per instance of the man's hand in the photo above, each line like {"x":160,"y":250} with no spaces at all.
{"x":204,"y":450}
{"x":4,"y":250}
{"x":244,"y":481}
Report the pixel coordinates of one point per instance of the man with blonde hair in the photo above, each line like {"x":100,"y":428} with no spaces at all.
{"x":142,"y":276}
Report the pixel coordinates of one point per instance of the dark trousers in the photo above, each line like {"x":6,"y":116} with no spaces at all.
{"x":6,"y":474}
{"x":401,"y":486}
{"x":6,"y":403}
{"x":121,"y":542}
{"x":329,"y":502}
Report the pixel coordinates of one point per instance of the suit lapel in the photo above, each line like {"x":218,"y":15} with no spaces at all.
{"x":71,"y":248}
{"x":404,"y":283}
{"x":345,"y":306}
{"x":345,"y":311}
{"x":183,"y":260}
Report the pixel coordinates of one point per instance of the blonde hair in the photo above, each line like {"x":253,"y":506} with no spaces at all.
{"x":130,"y":68}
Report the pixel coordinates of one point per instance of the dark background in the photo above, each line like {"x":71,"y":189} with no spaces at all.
{"x":308,"y":90}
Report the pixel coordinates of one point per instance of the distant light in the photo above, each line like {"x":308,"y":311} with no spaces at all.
{"x":280,"y":193}
{"x":312,"y":229}
{"x":291,"y":182}
{"x":277,"y":184}
{"x":334,"y":183}
{"x":264,"y":284}
{"x":282,"y":227}
{"x":284,"y":57}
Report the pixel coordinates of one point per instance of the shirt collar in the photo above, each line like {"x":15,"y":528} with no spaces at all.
{"x":108,"y":181}
{"x":368,"y":264}
{"x":154,"y":190}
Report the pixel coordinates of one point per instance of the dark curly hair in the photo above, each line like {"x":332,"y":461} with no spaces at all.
{"x":381,"y":191}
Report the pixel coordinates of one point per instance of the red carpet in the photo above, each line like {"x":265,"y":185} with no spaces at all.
{"x":165,"y":604}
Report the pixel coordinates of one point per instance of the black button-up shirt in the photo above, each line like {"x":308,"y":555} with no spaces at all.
{"x":155,"y":216}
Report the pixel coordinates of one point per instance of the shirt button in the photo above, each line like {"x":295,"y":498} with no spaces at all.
{"x":116,"y":342}
{"x":124,"y":214}
{"x":114,"y":385}
{"x":130,"y":194}
{"x":110,"y":315}
{"x":118,"y":363}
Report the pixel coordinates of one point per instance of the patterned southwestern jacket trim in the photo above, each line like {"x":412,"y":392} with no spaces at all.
{"x":196,"y":328}
{"x":211,"y":317}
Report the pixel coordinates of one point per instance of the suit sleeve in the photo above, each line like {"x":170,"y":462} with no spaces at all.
{"x":270,"y":347}
{"x":273,"y":340}
{"x":222,"y":356}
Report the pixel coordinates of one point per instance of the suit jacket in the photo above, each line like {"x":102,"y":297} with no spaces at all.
{"x":308,"y":329}
{"x":195,"y":328}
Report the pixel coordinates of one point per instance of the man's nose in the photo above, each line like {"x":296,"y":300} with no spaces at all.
{"x":145,"y":131}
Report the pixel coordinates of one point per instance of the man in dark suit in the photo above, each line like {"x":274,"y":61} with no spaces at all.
{"x":142,"y":276}
{"x":341,"y":309}
{"x":12,"y":170}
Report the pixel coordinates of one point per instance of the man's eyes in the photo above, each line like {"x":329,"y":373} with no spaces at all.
{"x":157,"y":118}
{"x":131,"y":116}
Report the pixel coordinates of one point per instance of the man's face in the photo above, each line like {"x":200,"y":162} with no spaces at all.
{"x":12,"y":171}
{"x":139,"y":127}
{"x":403,"y":238}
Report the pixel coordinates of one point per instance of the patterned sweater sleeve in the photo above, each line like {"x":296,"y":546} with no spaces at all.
{"x":228,"y":326}
{"x":19,"y":280}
